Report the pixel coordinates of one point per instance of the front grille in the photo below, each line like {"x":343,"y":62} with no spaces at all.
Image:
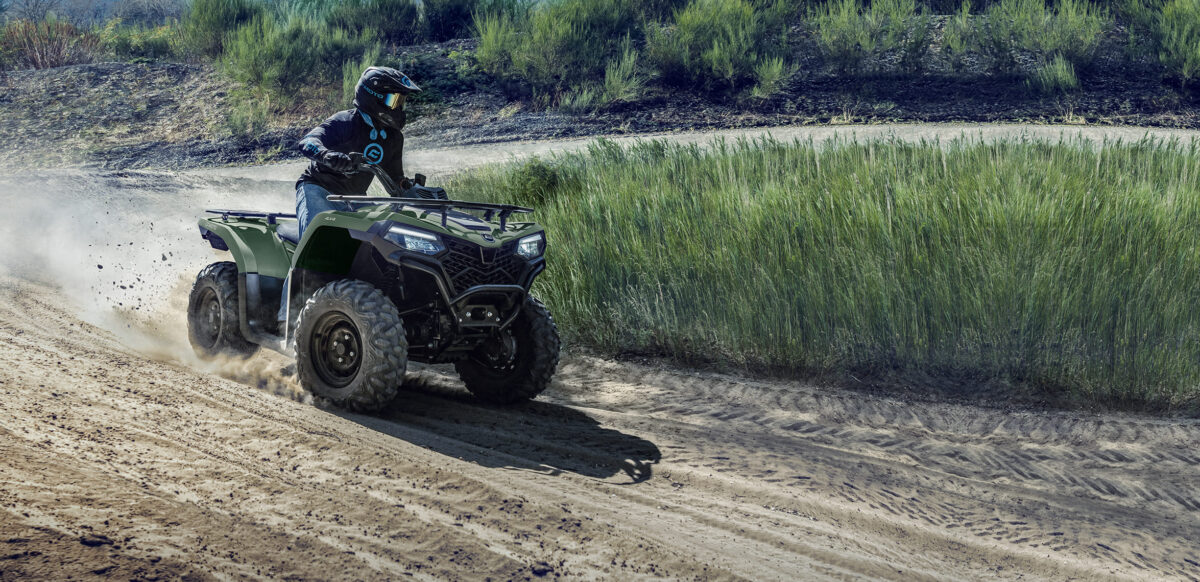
{"x":468,"y":264}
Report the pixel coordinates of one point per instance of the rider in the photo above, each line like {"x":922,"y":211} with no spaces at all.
{"x":372,"y":129}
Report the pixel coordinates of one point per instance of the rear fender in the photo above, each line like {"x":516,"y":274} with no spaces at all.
{"x":253,"y":244}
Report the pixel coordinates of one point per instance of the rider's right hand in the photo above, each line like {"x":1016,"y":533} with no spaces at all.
{"x":339,"y":162}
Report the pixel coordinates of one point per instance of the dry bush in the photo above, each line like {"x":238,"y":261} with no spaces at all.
{"x":47,"y":43}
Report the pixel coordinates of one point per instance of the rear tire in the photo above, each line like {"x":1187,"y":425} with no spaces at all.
{"x":351,"y":346}
{"x":214,"y":323}
{"x":494,"y":373}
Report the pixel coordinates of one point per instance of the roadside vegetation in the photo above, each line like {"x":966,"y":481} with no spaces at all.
{"x":1065,"y":267}
{"x":586,"y":55}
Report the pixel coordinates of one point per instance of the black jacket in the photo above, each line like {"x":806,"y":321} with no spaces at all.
{"x":351,"y":131}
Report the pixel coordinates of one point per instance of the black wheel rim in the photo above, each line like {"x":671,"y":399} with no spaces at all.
{"x":336,"y":349}
{"x":208,"y":318}
{"x":500,"y":352}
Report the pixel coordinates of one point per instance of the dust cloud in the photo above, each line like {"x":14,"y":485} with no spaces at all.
{"x":123,"y":250}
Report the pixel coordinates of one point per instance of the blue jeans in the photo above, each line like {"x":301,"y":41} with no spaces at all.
{"x":310,"y":201}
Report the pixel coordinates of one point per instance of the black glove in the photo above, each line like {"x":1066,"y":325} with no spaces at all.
{"x":339,"y":162}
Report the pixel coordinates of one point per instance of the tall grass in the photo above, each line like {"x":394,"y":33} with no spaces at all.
{"x":1058,"y":265}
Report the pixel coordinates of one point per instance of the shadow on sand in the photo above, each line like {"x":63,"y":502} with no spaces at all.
{"x":434,"y":411}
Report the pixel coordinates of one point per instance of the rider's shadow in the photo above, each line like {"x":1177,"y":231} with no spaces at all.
{"x":435,"y":412}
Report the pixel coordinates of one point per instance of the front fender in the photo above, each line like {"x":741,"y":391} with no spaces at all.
{"x":331,"y":240}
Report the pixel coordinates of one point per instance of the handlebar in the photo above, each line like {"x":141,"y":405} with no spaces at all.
{"x":417,"y":190}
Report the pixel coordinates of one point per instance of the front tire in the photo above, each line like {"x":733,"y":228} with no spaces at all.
{"x":214,"y":323}
{"x":350,"y":346}
{"x":516,"y":364}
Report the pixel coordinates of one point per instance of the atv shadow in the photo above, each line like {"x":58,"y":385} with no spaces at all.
{"x":434,"y":411}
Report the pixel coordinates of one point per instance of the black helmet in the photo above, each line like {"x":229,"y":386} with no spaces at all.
{"x":380,"y":94}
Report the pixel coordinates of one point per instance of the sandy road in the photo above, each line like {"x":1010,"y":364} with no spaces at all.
{"x":122,"y":457}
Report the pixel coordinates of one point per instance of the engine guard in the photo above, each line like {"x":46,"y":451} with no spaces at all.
{"x":476,"y":314}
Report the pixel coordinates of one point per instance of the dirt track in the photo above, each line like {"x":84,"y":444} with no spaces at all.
{"x":121,"y":456}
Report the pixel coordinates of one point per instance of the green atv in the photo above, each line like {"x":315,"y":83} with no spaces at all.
{"x":411,"y":277}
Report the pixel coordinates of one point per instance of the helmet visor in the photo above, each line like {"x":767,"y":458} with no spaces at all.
{"x":393,"y":100}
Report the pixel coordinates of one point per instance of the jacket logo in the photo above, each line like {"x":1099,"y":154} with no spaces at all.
{"x":373,"y":153}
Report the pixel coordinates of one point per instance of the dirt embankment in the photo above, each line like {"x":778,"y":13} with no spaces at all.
{"x":161,"y":115}
{"x":121,"y":455}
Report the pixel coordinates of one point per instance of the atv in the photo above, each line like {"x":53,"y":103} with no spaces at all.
{"x":413,"y":276}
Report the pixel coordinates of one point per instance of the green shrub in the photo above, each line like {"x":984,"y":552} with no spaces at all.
{"x":1074,"y":31}
{"x":958,"y":37}
{"x":397,"y":22}
{"x":1141,"y":19}
{"x":842,"y":35}
{"x":1055,"y":77}
{"x":1179,"y":39}
{"x":557,"y":46}
{"x":853,"y":36}
{"x":206,"y":25}
{"x":450,"y":19}
{"x":447,"y":19}
{"x":139,"y":42}
{"x":621,"y":79}
{"x":1065,"y":266}
{"x":146,"y":14}
{"x":715,"y":43}
{"x":769,"y":74}
{"x":285,"y":56}
{"x":906,"y":31}
{"x":650,"y":11}
{"x":46,"y":44}
{"x":351,"y":72}
{"x":1012,"y":27}
{"x":249,"y":114}
{"x":581,"y":99}
{"x":496,"y":39}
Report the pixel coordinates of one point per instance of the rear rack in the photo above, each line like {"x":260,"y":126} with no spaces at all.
{"x":502,"y":210}
{"x":270,"y":216}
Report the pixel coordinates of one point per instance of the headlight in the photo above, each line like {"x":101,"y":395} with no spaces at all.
{"x":532,"y":246}
{"x":417,"y":241}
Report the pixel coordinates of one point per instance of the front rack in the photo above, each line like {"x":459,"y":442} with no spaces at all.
{"x":503,"y":211}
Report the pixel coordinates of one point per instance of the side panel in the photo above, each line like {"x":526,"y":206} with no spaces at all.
{"x":253,"y":244}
